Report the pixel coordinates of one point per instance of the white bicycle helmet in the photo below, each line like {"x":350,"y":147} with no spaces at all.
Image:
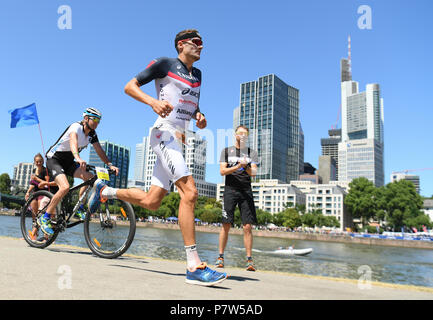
{"x":92,"y":112}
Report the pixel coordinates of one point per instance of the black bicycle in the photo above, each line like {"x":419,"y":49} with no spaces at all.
{"x":108,"y":232}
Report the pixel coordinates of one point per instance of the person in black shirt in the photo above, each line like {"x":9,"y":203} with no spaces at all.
{"x":238,"y":164}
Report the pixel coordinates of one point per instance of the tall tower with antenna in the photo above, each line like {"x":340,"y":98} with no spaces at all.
{"x":346,"y":65}
{"x":361,"y":150}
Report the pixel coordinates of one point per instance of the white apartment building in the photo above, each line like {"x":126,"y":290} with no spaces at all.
{"x":309,"y":186}
{"x":22,"y":174}
{"x":428,"y":208}
{"x":330,"y":200}
{"x":270,"y":196}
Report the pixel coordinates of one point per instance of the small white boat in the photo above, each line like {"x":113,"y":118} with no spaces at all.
{"x":294,"y":252}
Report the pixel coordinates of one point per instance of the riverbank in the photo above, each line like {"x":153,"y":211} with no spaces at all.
{"x":302,"y":236}
{"x":290,"y":235}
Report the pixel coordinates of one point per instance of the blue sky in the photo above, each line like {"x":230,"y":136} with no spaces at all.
{"x":302,"y":42}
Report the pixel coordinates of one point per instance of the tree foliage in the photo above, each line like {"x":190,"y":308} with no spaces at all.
{"x":5,"y":183}
{"x":397,"y":204}
{"x":362,"y":200}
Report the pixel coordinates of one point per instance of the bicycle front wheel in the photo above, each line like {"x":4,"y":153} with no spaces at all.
{"x":111,"y":229}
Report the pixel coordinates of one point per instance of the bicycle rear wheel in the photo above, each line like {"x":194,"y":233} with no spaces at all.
{"x":35,"y":207}
{"x":111,"y":230}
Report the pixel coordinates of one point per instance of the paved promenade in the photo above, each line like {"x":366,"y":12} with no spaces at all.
{"x":64,"y":272}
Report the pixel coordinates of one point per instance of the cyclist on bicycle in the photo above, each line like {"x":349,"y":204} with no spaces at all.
{"x":178,"y":88}
{"x":63,"y":158}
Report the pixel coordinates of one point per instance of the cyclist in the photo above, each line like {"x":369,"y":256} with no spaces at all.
{"x":178,"y":89}
{"x":63,"y":158}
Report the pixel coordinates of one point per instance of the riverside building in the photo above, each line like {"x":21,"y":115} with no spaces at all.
{"x":22,"y":174}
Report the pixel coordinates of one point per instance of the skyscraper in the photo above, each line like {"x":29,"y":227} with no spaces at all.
{"x":330,"y":146}
{"x":269,"y":108}
{"x":301,"y":150}
{"x":119,"y":156}
{"x":140,"y":156}
{"x":360,"y":152}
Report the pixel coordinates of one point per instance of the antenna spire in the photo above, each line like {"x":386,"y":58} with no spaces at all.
{"x":349,"y":57}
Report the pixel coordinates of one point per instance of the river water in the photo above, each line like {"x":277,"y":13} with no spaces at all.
{"x":397,"y":265}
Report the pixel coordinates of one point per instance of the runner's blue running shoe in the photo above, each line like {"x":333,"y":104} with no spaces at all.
{"x":45,"y":225}
{"x":95,"y":195}
{"x":204,"y":276}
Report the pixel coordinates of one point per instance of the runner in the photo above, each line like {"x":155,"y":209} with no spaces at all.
{"x":63,"y":158}
{"x":178,"y":88}
{"x":238,"y":164}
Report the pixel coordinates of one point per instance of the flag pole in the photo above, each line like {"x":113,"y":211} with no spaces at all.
{"x":40,"y":133}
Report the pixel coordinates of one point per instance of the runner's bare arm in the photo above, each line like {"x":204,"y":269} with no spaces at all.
{"x":162,"y":108}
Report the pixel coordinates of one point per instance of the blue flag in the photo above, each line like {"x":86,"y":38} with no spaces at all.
{"x":25,"y":116}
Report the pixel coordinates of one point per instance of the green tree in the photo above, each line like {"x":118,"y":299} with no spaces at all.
{"x":212,"y":215}
{"x":288,"y":218}
{"x":163,"y":212}
{"x":5,"y":183}
{"x":171,"y":202}
{"x":402,"y":205}
{"x":309,"y":219}
{"x":361,"y":200}
{"x":263,"y":217}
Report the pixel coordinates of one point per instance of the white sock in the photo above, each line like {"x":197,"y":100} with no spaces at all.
{"x":192,"y":258}
{"x":109,"y":192}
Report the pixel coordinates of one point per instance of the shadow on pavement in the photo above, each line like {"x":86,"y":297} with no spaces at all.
{"x":70,"y":251}
{"x":169,"y":274}
{"x":237,"y":278}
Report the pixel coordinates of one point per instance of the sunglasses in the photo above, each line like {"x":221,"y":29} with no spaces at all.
{"x":197,"y":41}
{"x":94,"y":119}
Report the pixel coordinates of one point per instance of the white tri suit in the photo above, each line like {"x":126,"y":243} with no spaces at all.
{"x":175,"y":84}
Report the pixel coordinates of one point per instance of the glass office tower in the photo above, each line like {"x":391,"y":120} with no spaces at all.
{"x":270,"y":109}
{"x":118,"y":156}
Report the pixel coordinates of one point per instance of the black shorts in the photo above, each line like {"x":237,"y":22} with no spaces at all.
{"x":56,"y":167}
{"x":244,"y":200}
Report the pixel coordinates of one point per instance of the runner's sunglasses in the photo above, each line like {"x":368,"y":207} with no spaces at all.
{"x":198,"y":42}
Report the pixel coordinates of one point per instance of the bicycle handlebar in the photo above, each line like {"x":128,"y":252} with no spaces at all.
{"x":89,"y":167}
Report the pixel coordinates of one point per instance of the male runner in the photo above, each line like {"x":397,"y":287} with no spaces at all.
{"x":63,"y":158}
{"x":178,"y":88}
{"x":238,"y":164}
